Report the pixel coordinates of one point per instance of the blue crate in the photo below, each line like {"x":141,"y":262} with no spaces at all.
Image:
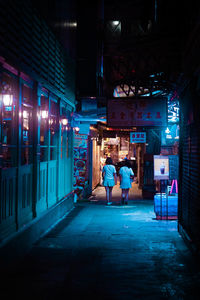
{"x":166,"y":206}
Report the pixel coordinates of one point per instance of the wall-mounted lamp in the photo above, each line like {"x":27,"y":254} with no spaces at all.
{"x":64,"y":121}
{"x":76,"y":129}
{"x":25,"y":114}
{"x":7,"y":99}
{"x":44,"y":114}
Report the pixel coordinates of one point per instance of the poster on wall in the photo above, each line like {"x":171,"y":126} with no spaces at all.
{"x":80,"y":163}
{"x":80,"y":141}
{"x":161,"y":167}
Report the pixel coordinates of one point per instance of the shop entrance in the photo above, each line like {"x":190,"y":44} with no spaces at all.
{"x":119,"y":147}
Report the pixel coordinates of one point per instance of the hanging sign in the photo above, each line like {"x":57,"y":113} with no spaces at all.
{"x":137,"y":112}
{"x":137,"y":137}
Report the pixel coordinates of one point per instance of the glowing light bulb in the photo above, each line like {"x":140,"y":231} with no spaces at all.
{"x":7,"y":100}
{"x":76,"y":128}
{"x":64,"y":122}
{"x":44,"y":114}
{"x":115,"y":23}
{"x":25,"y":114}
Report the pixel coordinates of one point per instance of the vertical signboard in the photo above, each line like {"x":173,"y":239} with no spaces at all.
{"x":80,"y":162}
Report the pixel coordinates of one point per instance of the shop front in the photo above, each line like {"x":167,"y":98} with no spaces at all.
{"x":117,"y":144}
{"x":35,"y":149}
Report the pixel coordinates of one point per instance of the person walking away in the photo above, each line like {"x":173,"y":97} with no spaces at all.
{"x":109,"y":178}
{"x":126,"y":177}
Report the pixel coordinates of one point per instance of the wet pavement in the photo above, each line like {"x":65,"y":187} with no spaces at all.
{"x":107,"y":252}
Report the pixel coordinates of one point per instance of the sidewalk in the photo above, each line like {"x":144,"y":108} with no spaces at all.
{"x":108,"y":252}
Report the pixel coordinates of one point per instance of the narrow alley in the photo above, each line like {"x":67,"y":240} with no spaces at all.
{"x":92,"y":90}
{"x":108,"y":252}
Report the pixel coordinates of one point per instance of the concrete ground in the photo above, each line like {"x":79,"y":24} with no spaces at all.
{"x":107,"y":252}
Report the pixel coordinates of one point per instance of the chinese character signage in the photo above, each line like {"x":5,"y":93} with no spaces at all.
{"x":137,"y":137}
{"x":161,"y":167}
{"x":137,"y":112}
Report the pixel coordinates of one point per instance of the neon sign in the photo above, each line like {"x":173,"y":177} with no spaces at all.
{"x":173,"y":110}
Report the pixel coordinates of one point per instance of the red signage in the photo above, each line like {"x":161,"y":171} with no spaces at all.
{"x":140,"y":112}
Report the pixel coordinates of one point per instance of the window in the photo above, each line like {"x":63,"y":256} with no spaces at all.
{"x":49,"y":127}
{"x":44,"y":127}
{"x":65,"y":127}
{"x":8,"y":117}
{"x":53,"y":120}
{"x":27,"y":125}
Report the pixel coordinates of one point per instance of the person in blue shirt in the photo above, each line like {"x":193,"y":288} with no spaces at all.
{"x":126,"y":177}
{"x":109,"y":179}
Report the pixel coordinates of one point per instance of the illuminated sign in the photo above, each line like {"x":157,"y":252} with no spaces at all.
{"x":137,"y":137}
{"x":137,"y":112}
{"x":173,"y":111}
{"x":170,"y":135}
{"x":81,"y":136}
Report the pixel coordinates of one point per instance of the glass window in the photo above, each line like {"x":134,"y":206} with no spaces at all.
{"x":65,"y":127}
{"x":27,"y":126}
{"x":54,"y":128}
{"x":44,"y":127}
{"x":8,"y":129}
